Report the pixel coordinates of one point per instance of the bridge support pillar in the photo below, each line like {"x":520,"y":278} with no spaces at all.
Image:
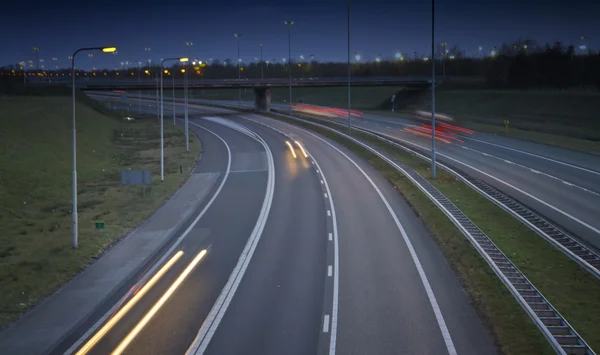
{"x":262,"y":99}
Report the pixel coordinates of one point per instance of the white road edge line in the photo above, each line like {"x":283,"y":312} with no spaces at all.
{"x":218,"y":310}
{"x":100,"y":321}
{"x":537,"y":156}
{"x":430,"y":295}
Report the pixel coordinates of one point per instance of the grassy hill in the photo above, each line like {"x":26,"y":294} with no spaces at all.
{"x":35,"y":189}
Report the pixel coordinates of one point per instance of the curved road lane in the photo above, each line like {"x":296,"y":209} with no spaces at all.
{"x":223,"y":230}
{"x":277,"y":308}
{"x":384,"y":304}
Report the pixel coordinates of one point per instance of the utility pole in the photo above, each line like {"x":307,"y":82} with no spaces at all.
{"x":289,"y":24}
{"x":237,"y":36}
{"x":261,"y":61}
{"x":432,"y":89}
{"x":349,"y":102}
{"x":37,"y":63}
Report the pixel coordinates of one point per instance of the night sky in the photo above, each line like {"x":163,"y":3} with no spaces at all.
{"x":378,"y":27}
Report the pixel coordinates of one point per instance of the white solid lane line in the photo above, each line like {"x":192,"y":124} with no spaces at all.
{"x":218,"y":310}
{"x":164,"y":257}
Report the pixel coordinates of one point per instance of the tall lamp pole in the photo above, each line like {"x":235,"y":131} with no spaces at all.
{"x":162,"y":151}
{"x":289,"y":24}
{"x":185,"y":104}
{"x":433,"y":89}
{"x":139,"y":91}
{"x":75,"y":229}
{"x":261,"y":62}
{"x":237,"y":36}
{"x":349,"y":125}
{"x":173,"y":88}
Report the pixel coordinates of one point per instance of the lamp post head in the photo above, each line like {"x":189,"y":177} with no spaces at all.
{"x":109,"y":49}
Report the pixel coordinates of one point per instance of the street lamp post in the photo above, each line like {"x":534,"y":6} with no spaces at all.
{"x":75,"y":234}
{"x":261,"y":62}
{"x":349,"y":72}
{"x":433,"y":89}
{"x":162,"y":153}
{"x":589,"y":45}
{"x":185,"y":104}
{"x":173,"y":88}
{"x":37,"y":66}
{"x":139,"y":91}
{"x":237,"y":36}
{"x":289,"y":25}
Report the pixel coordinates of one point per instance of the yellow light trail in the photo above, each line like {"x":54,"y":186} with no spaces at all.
{"x":301,"y":148}
{"x":144,"y":321}
{"x":291,"y":148}
{"x":132,"y":302}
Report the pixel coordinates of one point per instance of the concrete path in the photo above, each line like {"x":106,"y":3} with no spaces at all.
{"x":45,"y":325}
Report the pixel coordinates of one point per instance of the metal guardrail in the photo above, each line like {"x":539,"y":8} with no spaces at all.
{"x":559,"y":333}
{"x":558,"y":238}
{"x":572,"y":248}
{"x":556,"y":329}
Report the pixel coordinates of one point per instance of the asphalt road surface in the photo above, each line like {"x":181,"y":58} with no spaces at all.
{"x":314,"y":254}
{"x":560,"y":184}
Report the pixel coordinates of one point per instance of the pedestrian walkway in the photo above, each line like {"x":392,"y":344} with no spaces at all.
{"x":45,"y":325}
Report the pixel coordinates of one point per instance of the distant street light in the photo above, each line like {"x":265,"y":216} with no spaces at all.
{"x":237,"y":36}
{"x":493,"y":52}
{"x":139,"y":91}
{"x":261,"y":61}
{"x":74,"y":210}
{"x":589,"y":46}
{"x":357,"y":57}
{"x":162,"y":154}
{"x":289,"y":26}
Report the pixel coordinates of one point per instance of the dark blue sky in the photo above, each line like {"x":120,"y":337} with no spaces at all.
{"x":377,"y":27}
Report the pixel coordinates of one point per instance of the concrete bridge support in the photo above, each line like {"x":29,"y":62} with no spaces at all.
{"x":262,"y":99}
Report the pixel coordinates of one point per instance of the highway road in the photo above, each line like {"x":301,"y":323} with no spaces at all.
{"x":305,"y":249}
{"x":560,"y":184}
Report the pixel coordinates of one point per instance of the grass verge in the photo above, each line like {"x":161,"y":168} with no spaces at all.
{"x":573,"y":291}
{"x":35,"y":190}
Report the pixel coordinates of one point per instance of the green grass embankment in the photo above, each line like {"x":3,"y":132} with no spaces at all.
{"x":35,"y":189}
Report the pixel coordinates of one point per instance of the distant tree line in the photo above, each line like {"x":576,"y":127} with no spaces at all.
{"x":524,"y":65}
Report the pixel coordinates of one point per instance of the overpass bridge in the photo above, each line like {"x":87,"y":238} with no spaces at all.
{"x":261,"y":87}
